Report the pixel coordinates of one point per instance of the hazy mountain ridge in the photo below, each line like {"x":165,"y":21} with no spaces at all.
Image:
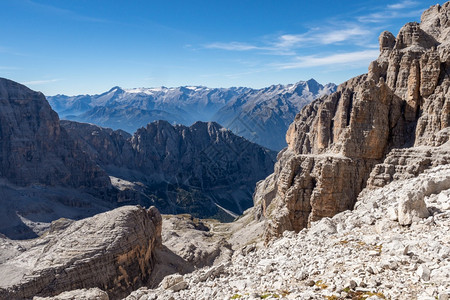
{"x":260,"y":115}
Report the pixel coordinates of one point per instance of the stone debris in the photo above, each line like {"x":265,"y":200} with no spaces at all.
{"x":342,"y":257}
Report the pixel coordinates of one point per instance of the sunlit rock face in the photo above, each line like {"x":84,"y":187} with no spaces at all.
{"x":336,"y":141}
{"x":112,"y":250}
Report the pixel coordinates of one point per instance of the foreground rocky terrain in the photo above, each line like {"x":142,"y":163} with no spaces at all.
{"x":114,"y":250}
{"x":367,"y":253}
{"x":260,"y":115}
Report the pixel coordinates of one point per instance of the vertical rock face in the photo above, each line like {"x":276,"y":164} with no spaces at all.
{"x":177,"y":168}
{"x":113,"y":251}
{"x":336,"y":141}
{"x":35,"y":149}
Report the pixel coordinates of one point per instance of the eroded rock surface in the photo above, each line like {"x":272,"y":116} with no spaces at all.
{"x":361,"y":254}
{"x":35,"y":149}
{"x":44,"y":173}
{"x":336,"y":141}
{"x":179,"y":169}
{"x":113,"y":251}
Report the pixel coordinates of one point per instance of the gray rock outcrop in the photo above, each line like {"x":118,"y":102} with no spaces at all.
{"x":336,"y":141}
{"x":113,"y":251}
{"x":44,"y":173}
{"x":179,"y":169}
{"x":360,"y":254}
{"x":35,"y":149}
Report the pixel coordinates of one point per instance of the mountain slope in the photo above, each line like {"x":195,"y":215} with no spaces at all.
{"x":263,"y":116}
{"x":338,"y":141}
{"x":180,"y":169}
{"x":44,"y":175}
{"x":260,"y":115}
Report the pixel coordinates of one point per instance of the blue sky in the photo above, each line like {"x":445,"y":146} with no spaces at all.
{"x":88,"y":46}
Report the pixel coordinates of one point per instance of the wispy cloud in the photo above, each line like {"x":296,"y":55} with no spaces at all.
{"x":404,"y":4}
{"x":232,"y":46}
{"x":36,"y":82}
{"x":65,"y":12}
{"x":403,"y":9}
{"x":10,"y":51}
{"x":8,"y":68}
{"x":356,"y":57}
{"x":322,"y":36}
{"x":380,"y":17}
{"x":286,"y":44}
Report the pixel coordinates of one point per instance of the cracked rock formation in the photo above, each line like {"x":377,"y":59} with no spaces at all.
{"x":35,"y":149}
{"x":113,"y":251}
{"x":336,"y":141}
{"x":179,"y":169}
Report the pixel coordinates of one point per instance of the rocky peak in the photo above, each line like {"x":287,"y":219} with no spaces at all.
{"x":386,"y":40}
{"x":35,"y":149}
{"x":179,"y":169}
{"x":334,"y":142}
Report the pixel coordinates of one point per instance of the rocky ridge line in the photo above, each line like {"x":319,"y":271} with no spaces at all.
{"x":178,"y":169}
{"x":336,"y":141}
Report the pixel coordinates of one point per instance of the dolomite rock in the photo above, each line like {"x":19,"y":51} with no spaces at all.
{"x":343,"y":257}
{"x":82,"y":294}
{"x":174,"y":282}
{"x":336,"y":142}
{"x":408,"y":163}
{"x":113,"y":251}
{"x":35,"y":149}
{"x":177,"y":168}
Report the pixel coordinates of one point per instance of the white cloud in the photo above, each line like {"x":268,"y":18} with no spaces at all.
{"x":404,"y":4}
{"x":341,"y":35}
{"x":36,"y":82}
{"x":286,"y":44}
{"x":232,"y":46}
{"x":386,"y":15}
{"x":352,"y":58}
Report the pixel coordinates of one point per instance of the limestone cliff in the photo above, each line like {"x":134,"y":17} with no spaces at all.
{"x":179,"y":169}
{"x":335,"y":142}
{"x":113,"y":251}
{"x":35,"y":149}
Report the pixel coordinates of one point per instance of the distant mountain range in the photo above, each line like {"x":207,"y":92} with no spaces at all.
{"x":51,"y":169}
{"x":260,"y":115}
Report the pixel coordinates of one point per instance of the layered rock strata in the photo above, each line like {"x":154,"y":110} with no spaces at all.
{"x":179,"y":169}
{"x":113,"y":251}
{"x":35,"y":149}
{"x":365,"y":253}
{"x":336,"y":141}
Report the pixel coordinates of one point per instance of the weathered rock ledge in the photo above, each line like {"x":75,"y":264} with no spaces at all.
{"x":335,"y":143}
{"x":113,"y":251}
